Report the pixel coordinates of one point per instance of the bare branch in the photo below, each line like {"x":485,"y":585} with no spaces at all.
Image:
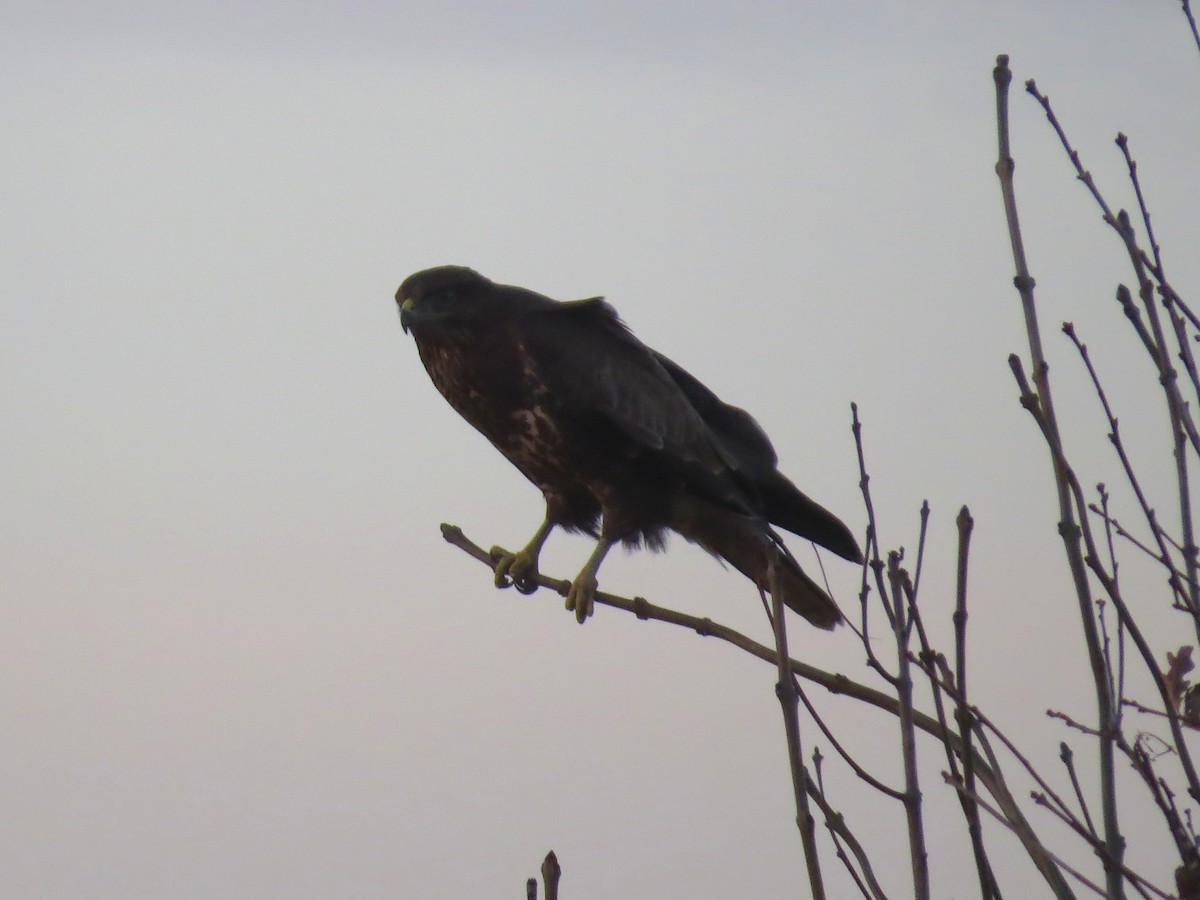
{"x":1114,"y":436}
{"x":1068,"y":759}
{"x":901,"y":589}
{"x":786,"y":690}
{"x":844,"y":754}
{"x":988,"y":774}
{"x":988,"y":888}
{"x":1140,"y":884}
{"x":1187,"y":11}
{"x":1068,"y":527}
{"x":1057,"y":860}
{"x":867,"y":883}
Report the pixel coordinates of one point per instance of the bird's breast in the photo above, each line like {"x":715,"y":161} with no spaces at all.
{"x":503,"y":396}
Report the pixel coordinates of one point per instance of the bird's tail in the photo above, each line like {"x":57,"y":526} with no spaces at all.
{"x":749,"y":545}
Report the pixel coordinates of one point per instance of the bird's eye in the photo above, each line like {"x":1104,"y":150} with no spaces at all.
{"x":447,"y":295}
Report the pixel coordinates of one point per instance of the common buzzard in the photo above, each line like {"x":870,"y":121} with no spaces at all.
{"x":623,"y":443}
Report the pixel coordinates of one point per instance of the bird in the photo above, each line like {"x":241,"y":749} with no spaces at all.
{"x":624,"y":444}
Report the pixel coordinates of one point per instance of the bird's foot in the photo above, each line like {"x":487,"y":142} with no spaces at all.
{"x":519,"y":570}
{"x":581,"y":595}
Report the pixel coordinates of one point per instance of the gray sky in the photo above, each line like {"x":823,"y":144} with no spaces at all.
{"x":238,"y":660}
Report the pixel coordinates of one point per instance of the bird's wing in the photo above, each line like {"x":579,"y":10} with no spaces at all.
{"x":780,"y":501}
{"x":739,"y":434}
{"x":590,"y":360}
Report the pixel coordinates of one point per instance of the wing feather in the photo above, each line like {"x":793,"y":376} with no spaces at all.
{"x":746,"y":445}
{"x":588,"y":358}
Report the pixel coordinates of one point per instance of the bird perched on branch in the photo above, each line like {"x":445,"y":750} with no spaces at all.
{"x":623,"y":443}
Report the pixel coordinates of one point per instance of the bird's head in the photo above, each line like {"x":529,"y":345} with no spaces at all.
{"x":442,"y":302}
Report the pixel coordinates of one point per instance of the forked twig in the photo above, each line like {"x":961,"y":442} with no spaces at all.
{"x":867,"y":883}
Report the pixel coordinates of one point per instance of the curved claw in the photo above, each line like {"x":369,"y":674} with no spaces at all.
{"x":501,"y":562}
{"x":517,"y":570}
{"x":581,"y":596}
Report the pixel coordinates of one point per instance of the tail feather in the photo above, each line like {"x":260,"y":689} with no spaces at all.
{"x":787,"y":507}
{"x":749,"y":545}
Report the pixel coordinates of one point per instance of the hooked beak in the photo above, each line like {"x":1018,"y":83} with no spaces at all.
{"x":406,"y":314}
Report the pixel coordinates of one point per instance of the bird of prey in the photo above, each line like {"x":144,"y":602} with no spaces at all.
{"x":622,"y":442}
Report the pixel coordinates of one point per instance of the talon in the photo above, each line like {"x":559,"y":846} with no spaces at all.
{"x":517,"y":570}
{"x":581,"y":596}
{"x":502,"y":561}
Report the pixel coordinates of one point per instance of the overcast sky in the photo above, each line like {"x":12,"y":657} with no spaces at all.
{"x":237,"y":659}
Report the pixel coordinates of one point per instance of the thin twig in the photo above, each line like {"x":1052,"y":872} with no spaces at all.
{"x":1131,"y":164}
{"x":871,"y":560}
{"x":787,"y":692}
{"x":1071,"y":723}
{"x":1114,"y":568}
{"x":1114,"y":437}
{"x":982,"y":726}
{"x":1125,"y":534}
{"x":1141,"y":263}
{"x":1068,"y":528}
{"x":1187,"y":11}
{"x":1140,"y":884}
{"x":1142,"y":763}
{"x":916,"y":579}
{"x":1130,"y":625}
{"x":844,"y":754}
{"x":919,"y":857}
{"x":1057,"y":860}
{"x":932,"y":664}
{"x":867,"y":883}
{"x":1164,"y":798}
{"x":988,"y":887}
{"x":1068,"y":759}
{"x":1183,"y":428}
